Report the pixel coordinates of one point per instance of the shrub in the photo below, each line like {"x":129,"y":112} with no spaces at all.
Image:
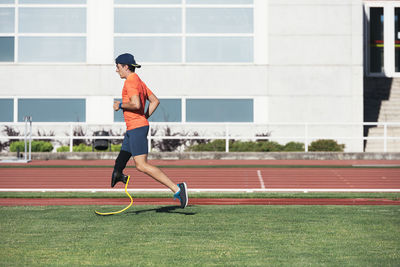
{"x":82,"y":148}
{"x":85,"y":148}
{"x":63,"y":149}
{"x":116,"y":148}
{"x":216,"y":145}
{"x":78,"y":131}
{"x":326,"y":145}
{"x":293,"y":146}
{"x":238,"y":146}
{"x":261,"y":146}
{"x":36,"y":146}
{"x":270,"y":146}
{"x":8,"y":131}
{"x":167,"y":145}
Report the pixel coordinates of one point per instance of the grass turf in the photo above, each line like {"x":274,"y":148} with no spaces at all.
{"x":391,"y":196}
{"x":201,"y":236}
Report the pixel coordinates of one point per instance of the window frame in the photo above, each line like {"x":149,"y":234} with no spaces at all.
{"x":16,"y":34}
{"x":184,"y":35}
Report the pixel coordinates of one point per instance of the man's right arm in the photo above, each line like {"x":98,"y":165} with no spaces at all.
{"x":153,"y":104}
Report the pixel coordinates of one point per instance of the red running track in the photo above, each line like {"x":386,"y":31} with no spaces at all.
{"x":209,"y":178}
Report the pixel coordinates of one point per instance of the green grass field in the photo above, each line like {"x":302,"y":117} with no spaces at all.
{"x":201,"y":236}
{"x":342,"y":195}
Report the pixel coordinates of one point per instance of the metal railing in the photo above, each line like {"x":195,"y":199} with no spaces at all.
{"x":225,"y":128}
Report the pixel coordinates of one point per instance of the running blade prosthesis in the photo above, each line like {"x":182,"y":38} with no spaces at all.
{"x":116,"y":212}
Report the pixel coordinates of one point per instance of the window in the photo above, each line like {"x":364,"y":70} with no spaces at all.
{"x":169,"y":110}
{"x":150,"y":49}
{"x":219,"y":110}
{"x":219,"y":49}
{"x":189,"y":31}
{"x":52,"y":110}
{"x":6,"y":110}
{"x":376,"y":37}
{"x":7,"y":19}
{"x":52,"y":49}
{"x":6,"y":49}
{"x":47,"y":31}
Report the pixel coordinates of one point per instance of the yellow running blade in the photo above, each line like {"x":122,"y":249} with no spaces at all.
{"x":116,"y":212}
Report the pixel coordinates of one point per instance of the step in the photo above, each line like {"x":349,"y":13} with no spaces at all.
{"x":388,"y":117}
{"x":374,"y":132}
{"x":378,"y":146}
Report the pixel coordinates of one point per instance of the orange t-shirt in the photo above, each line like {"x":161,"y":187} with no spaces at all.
{"x":135,"y":86}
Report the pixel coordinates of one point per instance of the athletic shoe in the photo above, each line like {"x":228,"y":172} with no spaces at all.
{"x":182,"y":195}
{"x":118,"y":177}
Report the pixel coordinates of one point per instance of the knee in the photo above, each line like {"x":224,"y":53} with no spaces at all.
{"x":142,"y":167}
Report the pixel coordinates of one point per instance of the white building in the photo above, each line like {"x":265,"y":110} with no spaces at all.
{"x":254,"y":61}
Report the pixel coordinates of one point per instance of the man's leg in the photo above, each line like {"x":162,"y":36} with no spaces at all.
{"x":180,"y":190}
{"x":120,"y":164}
{"x":143,"y":166}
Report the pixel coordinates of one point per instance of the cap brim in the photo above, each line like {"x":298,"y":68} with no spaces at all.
{"x":136,"y":65}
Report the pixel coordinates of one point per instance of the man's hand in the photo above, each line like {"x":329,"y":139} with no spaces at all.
{"x":116,"y":105}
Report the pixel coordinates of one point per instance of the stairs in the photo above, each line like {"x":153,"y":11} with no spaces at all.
{"x":387,"y":92}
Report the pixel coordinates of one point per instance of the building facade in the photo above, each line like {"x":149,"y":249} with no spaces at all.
{"x":270,"y":62}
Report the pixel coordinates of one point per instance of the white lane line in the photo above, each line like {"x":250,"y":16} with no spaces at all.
{"x":261,"y":179}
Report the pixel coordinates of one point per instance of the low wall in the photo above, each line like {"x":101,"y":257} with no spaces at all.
{"x":217,"y":155}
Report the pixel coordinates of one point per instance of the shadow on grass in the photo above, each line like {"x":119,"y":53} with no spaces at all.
{"x":167,"y":209}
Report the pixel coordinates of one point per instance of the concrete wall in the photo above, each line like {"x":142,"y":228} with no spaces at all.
{"x":311,"y":70}
{"x":316,"y":64}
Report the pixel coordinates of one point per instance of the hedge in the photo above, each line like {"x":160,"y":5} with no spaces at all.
{"x":267,"y":146}
{"x":36,"y":146}
{"x":326,"y":145}
{"x":85,"y":148}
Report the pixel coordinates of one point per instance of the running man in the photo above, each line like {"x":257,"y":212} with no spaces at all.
{"x":134,"y":96}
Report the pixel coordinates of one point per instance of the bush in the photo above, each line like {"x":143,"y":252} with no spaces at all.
{"x":216,"y":145}
{"x":82,"y":148}
{"x":167,"y":145}
{"x":238,"y":146}
{"x":85,"y":148}
{"x":261,"y":146}
{"x":37,"y":146}
{"x":116,"y":148}
{"x":326,"y":145}
{"x":293,"y":147}
{"x":63,"y":149}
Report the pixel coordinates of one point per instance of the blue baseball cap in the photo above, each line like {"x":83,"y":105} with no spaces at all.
{"x":127,"y":59}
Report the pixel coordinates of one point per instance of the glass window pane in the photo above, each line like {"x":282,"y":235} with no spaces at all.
{"x":52,"y":110}
{"x":376,"y":39}
{"x":7,"y":20}
{"x":150,"y":49}
{"x":6,"y":49}
{"x":169,"y":110}
{"x":219,"y":20}
{"x":52,"y":20}
{"x":6,"y":110}
{"x":219,"y":2}
{"x":219,"y":49}
{"x":7,"y":1}
{"x":53,"y":2}
{"x":118,"y":115}
{"x":148,"y":20}
{"x":52,"y":49}
{"x":219,"y":110}
{"x":147,"y":2}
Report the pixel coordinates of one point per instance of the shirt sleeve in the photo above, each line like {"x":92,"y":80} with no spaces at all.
{"x":148,"y":91}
